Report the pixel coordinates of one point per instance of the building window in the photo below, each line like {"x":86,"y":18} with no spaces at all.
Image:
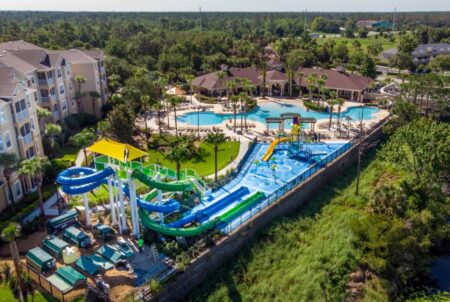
{"x":41,"y":76}
{"x":64,"y":105}
{"x":8,"y":140}
{"x":102,"y":63}
{"x":18,"y":188}
{"x":61,"y":89}
{"x":32,"y":80}
{"x":49,"y":75}
{"x":1,"y":144}
{"x":32,"y":123}
{"x":30,"y":153}
{"x":25,"y":129}
{"x":52,"y":91}
{"x":59,"y":73}
{"x":20,"y":106}
{"x":3,"y":118}
{"x":44,"y":93}
{"x":55,"y":108}
{"x":35,"y":97}
{"x":28,"y":83}
{"x":70,"y":86}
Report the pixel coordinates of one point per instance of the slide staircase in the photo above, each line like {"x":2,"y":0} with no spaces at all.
{"x":203,"y":189}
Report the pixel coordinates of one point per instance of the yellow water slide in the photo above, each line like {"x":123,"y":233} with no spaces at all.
{"x":272,"y":147}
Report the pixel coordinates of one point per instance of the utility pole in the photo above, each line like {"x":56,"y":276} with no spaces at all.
{"x":395,"y":17}
{"x":200,"y":12}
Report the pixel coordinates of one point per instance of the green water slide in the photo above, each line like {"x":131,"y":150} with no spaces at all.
{"x":194,"y":231}
{"x":175,"y":186}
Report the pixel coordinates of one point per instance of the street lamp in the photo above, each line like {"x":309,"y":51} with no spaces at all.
{"x":359,"y":149}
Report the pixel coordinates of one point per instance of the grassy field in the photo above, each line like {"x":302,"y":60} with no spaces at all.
{"x":7,"y":296}
{"x":204,"y":162}
{"x":69,"y":153}
{"x":385,"y":42}
{"x":305,"y":257}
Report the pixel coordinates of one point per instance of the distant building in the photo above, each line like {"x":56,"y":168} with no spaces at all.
{"x":387,"y":55}
{"x":426,"y":52}
{"x":374,"y":24}
{"x":349,"y":86}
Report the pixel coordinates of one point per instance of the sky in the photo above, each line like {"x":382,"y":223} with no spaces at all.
{"x":226,"y":5}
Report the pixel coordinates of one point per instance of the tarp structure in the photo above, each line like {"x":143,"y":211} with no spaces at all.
{"x":116,"y":150}
{"x":55,"y":246}
{"x":108,"y":252}
{"x":175,"y":91}
{"x":66,"y":278}
{"x":100,"y":261}
{"x":62,"y":221}
{"x":87,"y":265}
{"x":40,"y":260}
{"x":77,"y":236}
{"x":105,"y":231}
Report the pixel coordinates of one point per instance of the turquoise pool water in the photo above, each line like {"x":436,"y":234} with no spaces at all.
{"x":263,"y":111}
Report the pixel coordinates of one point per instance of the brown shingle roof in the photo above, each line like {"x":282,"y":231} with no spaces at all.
{"x":275,"y":75}
{"x":18,"y":45}
{"x":76,"y":56}
{"x":94,"y":53}
{"x":36,"y":57}
{"x":8,"y":82}
{"x":211,"y":81}
{"x":7,"y":59}
{"x":336,"y":79}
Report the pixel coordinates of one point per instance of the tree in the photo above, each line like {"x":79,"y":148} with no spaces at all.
{"x":121,"y":123}
{"x":441,"y":63}
{"x":174,"y":101}
{"x":79,"y":94}
{"x":301,"y":75}
{"x":339,"y":102}
{"x":35,"y":168}
{"x":145,"y":104}
{"x":189,"y":78}
{"x":350,"y":27}
{"x":10,"y":163}
{"x":294,"y":60}
{"x":402,"y":60}
{"x":83,"y":139}
{"x":94,"y":94}
{"x":311,"y":81}
{"x":216,"y":138}
{"x":422,"y":148}
{"x":368,"y":67}
{"x":52,"y":131}
{"x":234,"y":99}
{"x":10,"y":234}
{"x":157,"y":106}
{"x":182,"y":151}
{"x":407,"y":43}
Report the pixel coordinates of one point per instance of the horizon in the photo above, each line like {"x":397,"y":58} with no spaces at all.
{"x":263,"y":6}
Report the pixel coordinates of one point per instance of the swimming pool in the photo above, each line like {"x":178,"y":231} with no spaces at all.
{"x":263,"y":111}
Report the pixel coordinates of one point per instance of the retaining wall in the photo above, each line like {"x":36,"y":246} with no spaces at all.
{"x":210,"y":260}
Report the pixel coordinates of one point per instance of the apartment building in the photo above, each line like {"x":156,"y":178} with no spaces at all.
{"x":31,"y":76}
{"x":19,"y":130}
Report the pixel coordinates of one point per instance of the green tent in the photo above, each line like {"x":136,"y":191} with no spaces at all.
{"x":77,"y":237}
{"x":106,"y":232}
{"x":108,"y":252}
{"x":87,"y":265}
{"x":40,"y":260}
{"x":70,"y":275}
{"x":100,"y":261}
{"x":62,"y":221}
{"x":55,"y":246}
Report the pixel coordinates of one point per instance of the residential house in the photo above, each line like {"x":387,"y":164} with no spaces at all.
{"x":424,"y":53}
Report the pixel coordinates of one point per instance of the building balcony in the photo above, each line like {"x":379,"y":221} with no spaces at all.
{"x":45,"y":99}
{"x":27,"y":139}
{"x":21,"y":115}
{"x":46,"y":82}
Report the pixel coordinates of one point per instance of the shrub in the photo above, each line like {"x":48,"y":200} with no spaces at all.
{"x":155,"y":286}
{"x":57,"y":165}
{"x":206,"y":99}
{"x":314,"y":107}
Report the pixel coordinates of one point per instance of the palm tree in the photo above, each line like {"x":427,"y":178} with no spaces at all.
{"x":181,"y":152}
{"x":36,"y":167}
{"x":216,"y":138}
{"x":231,"y":86}
{"x":80,"y":80}
{"x":10,"y":163}
{"x":174,"y":101}
{"x":189,"y":78}
{"x":234,"y":99}
{"x":331,"y":103}
{"x":10,"y":234}
{"x":339,"y":102}
{"x":263,"y":75}
{"x":245,"y":100}
{"x":301,"y":75}
{"x":94,"y":94}
{"x":42,"y":114}
{"x":52,"y":131}
{"x":83,"y":139}
{"x":113,"y":83}
{"x":145,"y":103}
{"x":311,"y":83}
{"x":157,"y":106}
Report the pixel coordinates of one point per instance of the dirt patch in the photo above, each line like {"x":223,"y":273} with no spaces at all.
{"x":24,"y":244}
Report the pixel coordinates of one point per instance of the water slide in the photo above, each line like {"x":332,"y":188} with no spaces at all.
{"x":167,"y":207}
{"x":272,"y":146}
{"x":80,"y":180}
{"x":175,"y":186}
{"x":205,"y":213}
{"x":194,"y":231}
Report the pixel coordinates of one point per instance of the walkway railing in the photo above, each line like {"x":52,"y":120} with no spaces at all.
{"x":239,"y":221}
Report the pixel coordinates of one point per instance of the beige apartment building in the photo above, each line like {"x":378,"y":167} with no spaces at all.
{"x":31,"y":76}
{"x":19,"y":131}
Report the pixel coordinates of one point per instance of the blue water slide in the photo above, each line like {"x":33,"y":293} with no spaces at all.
{"x":166,"y":208}
{"x":207,"y":212}
{"x":73,"y":183}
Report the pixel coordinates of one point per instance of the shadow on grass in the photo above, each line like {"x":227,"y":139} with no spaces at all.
{"x":227,"y":275}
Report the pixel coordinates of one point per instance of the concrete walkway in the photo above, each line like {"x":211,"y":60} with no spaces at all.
{"x":243,"y":147}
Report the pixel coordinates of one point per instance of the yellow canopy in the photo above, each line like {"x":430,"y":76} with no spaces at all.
{"x":116,"y":150}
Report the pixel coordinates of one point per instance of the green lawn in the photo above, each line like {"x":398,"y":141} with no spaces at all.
{"x":385,"y":43}
{"x":305,"y":257}
{"x":7,"y":296}
{"x":68,"y":153}
{"x":204,"y":163}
